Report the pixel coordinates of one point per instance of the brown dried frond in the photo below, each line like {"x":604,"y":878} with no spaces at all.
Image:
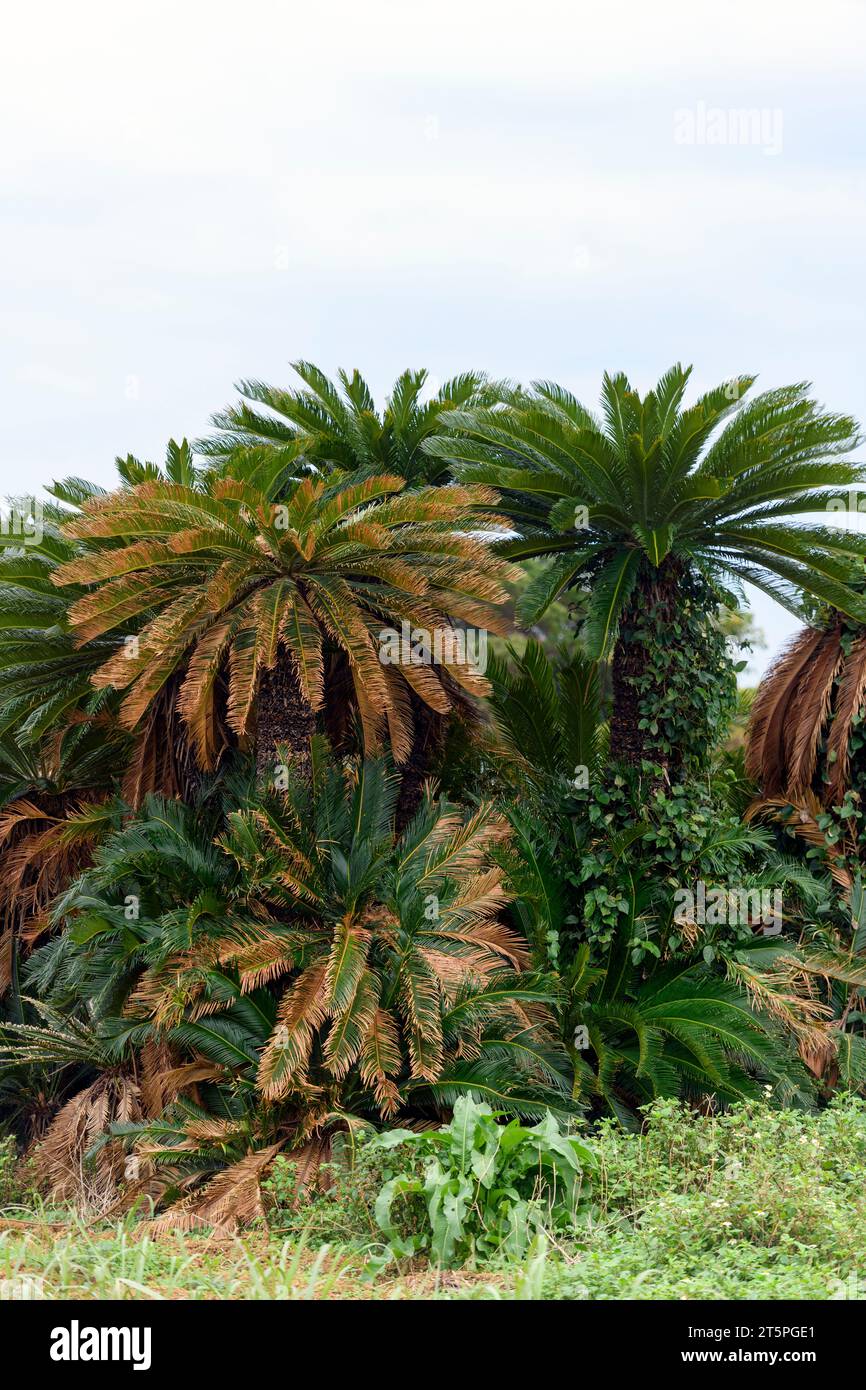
{"x":37,"y":924}
{"x":452,"y":969}
{"x":161,"y":1078}
{"x":428,"y":683}
{"x":263,"y":964}
{"x":19,"y":812}
{"x":198,"y":698}
{"x":785,"y":994}
{"x":163,"y":758}
{"x":501,"y":939}
{"x":302,"y":1010}
{"x":689,"y":929}
{"x":401,"y":725}
{"x":7,"y":950}
{"x":849,"y":699}
{"x":381,"y":1061}
{"x":820,"y":1058}
{"x":60,"y":1158}
{"x":809,"y":711}
{"x":766,"y":754}
{"x":308,"y":1159}
{"x":188,"y":1075}
{"x":46,"y":846}
{"x":155,"y":1062}
{"x":212,"y":1128}
{"x":233,"y":1198}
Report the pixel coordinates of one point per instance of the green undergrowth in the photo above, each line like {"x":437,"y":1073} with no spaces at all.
{"x":755,"y":1203}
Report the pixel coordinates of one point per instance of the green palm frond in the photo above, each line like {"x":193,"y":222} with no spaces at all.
{"x":718,"y":484}
{"x":275,"y":434}
{"x":231,"y":586}
{"x":301,"y":945}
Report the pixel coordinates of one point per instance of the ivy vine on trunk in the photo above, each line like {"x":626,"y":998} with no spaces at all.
{"x":674,"y":683}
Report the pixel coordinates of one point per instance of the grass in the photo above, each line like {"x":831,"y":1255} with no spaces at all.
{"x":752,"y":1204}
{"x":76,"y":1261}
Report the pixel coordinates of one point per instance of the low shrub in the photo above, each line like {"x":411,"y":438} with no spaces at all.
{"x":17,"y":1181}
{"x":338,"y":1206}
{"x":460,"y":1194}
{"x":752,"y":1203}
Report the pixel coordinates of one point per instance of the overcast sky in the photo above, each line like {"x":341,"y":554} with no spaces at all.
{"x":197,"y":192}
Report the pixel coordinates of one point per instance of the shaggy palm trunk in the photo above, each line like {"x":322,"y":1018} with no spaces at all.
{"x":429,"y":738}
{"x":657,"y":589}
{"x":284,"y":722}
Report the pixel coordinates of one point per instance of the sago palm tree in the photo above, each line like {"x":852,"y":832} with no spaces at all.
{"x":657,"y":495}
{"x":80,"y":1064}
{"x":324,"y":424}
{"x":305,"y":966}
{"x":260,"y":585}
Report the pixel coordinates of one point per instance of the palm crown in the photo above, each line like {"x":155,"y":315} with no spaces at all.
{"x":327,"y":425}
{"x":47,"y":696}
{"x":653,"y":486}
{"x":262,"y":578}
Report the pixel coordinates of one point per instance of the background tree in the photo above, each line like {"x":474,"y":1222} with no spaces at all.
{"x":324,"y":425}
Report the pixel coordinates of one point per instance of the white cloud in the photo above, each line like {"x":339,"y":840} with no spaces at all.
{"x":51,"y":379}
